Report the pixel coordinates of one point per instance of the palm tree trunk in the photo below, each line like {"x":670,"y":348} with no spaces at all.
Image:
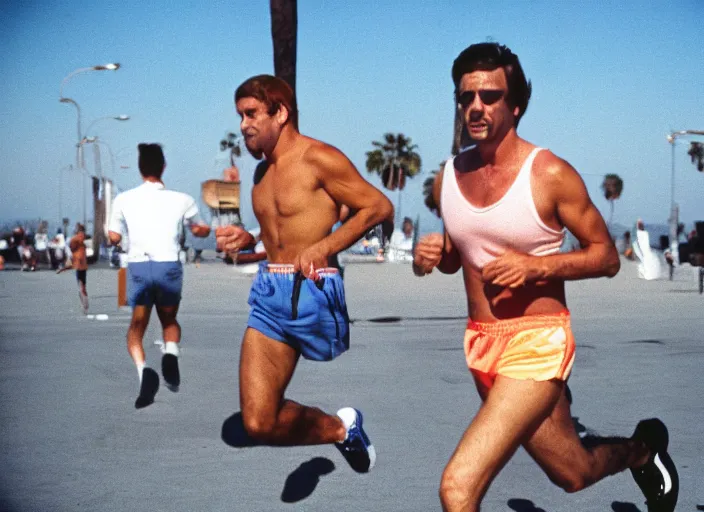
{"x":284,"y":28}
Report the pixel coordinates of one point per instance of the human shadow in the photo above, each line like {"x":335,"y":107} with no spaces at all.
{"x":304,"y":479}
{"x":624,"y":506}
{"x":523,"y":505}
{"x":397,"y":319}
{"x":234,"y":434}
{"x":647,"y":342}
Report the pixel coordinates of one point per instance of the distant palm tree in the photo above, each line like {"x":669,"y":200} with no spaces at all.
{"x":232,"y":142}
{"x":428,"y":184}
{"x":696,"y":152}
{"x":460,"y":136}
{"x":612,"y":186}
{"x":284,"y":30}
{"x":394,"y":159}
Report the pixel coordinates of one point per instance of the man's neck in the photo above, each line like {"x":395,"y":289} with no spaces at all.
{"x":287,"y":139}
{"x":499,"y":152}
{"x":151,"y":179}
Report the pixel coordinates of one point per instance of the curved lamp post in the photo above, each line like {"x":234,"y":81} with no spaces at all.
{"x":112,"y":66}
{"x":674,"y":214}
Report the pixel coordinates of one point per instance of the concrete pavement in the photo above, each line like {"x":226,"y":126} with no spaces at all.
{"x":72,"y":440}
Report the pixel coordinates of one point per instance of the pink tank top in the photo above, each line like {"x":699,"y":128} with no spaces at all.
{"x":482,"y":234}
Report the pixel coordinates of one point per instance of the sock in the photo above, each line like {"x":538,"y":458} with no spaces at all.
{"x":171,"y":347}
{"x":348,"y":416}
{"x":140,"y":370}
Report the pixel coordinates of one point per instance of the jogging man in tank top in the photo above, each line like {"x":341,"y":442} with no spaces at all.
{"x":505,"y":204}
{"x":152,"y":217}
{"x":297,"y":299}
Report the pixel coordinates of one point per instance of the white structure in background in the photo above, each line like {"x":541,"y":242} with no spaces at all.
{"x":650,"y":265}
{"x":400,"y":248}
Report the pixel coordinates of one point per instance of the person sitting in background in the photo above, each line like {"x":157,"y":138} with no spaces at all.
{"x":27,"y":256}
{"x":628,"y":246}
{"x":403,"y":240}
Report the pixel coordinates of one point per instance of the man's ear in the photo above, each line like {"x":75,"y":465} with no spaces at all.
{"x":282,"y":114}
{"x":516,"y":111}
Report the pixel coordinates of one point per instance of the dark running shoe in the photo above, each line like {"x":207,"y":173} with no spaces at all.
{"x":657,"y":478}
{"x":356,"y":449}
{"x":169,"y":369}
{"x":148,"y":388}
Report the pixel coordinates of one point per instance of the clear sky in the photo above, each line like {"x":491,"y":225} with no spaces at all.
{"x":610,"y":80}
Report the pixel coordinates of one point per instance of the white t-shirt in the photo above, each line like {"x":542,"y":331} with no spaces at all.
{"x":400,"y":241}
{"x":41,"y":241}
{"x":153,"y":218}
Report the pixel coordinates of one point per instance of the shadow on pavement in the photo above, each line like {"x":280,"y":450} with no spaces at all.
{"x":396,"y":319}
{"x":521,"y":505}
{"x":234,"y":434}
{"x":303,"y":480}
{"x":621,"y":506}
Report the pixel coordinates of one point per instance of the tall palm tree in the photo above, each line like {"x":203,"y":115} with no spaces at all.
{"x":284,"y":30}
{"x":696,"y":152}
{"x":428,"y":185}
{"x":232,"y":142}
{"x":394,"y":159}
{"x":460,"y":136}
{"x":612,"y":186}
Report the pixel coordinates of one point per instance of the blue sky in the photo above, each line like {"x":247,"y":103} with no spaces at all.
{"x":609,"y":83}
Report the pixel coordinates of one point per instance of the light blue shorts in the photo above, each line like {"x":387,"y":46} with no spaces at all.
{"x":154,"y":283}
{"x":309,"y":316}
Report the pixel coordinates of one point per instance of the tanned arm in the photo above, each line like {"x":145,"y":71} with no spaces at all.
{"x":114,"y":238}
{"x":575,"y":211}
{"x":598,"y":256}
{"x":345,"y":185}
{"x":436,"y":250}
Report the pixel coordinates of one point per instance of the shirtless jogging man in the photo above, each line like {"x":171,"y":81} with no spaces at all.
{"x":79,"y":262}
{"x":297,"y":298}
{"x":152,"y":217}
{"x":505,"y":204}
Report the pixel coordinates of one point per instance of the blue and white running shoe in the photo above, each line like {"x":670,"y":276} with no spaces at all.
{"x":357,"y":449}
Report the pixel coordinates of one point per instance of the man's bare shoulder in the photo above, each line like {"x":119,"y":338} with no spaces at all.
{"x":551,"y":169}
{"x":323,"y":157}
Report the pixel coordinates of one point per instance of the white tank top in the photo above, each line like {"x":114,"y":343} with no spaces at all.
{"x":482,"y":234}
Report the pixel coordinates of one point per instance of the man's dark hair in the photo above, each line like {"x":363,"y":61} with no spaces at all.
{"x":491,"y":56}
{"x":273,"y":92}
{"x":80,"y":228}
{"x":151,"y":160}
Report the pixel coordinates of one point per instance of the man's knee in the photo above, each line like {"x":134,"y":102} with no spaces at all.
{"x":569,"y":479}
{"x":458,"y":490}
{"x":259,"y":426}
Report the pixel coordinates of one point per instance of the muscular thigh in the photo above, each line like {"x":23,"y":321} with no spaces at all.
{"x":555,"y":445}
{"x":510,"y":415}
{"x":266,"y":368}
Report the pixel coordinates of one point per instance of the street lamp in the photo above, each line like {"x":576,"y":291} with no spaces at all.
{"x":102,"y":67}
{"x":674,"y":214}
{"x":79,"y":155}
{"x":121,"y":117}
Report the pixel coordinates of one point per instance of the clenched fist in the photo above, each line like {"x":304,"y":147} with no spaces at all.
{"x":428,"y":253}
{"x":232,"y":238}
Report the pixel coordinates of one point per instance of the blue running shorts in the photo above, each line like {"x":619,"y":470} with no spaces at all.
{"x":154,"y":283}
{"x":309,"y":316}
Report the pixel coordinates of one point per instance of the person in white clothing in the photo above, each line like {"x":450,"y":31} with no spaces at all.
{"x":153,"y":216}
